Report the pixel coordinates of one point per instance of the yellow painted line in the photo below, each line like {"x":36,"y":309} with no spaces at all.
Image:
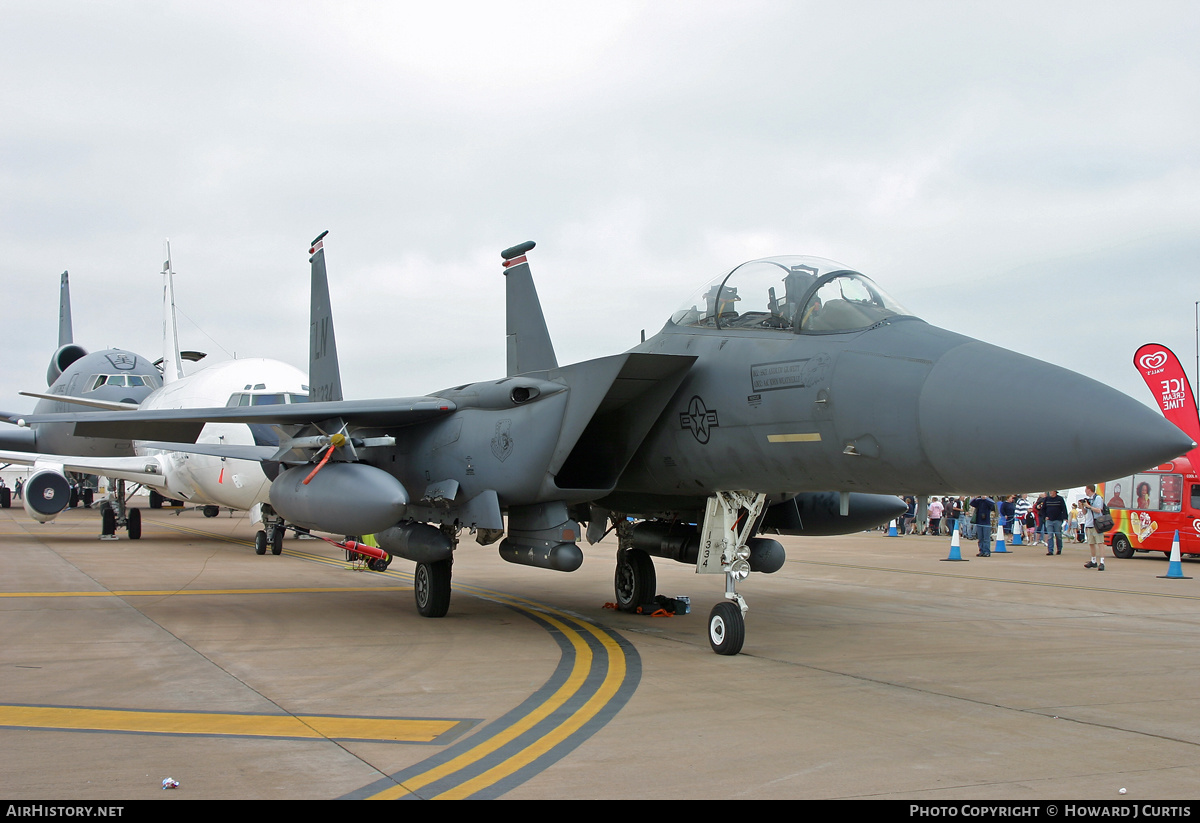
{"x":575,"y":681}
{"x":243,"y":725}
{"x":806,"y":437}
{"x":612,"y":682}
{"x":165,"y":592}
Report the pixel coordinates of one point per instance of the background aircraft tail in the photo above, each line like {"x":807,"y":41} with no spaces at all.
{"x":324,"y":375}
{"x":528,"y":340}
{"x":67,"y":352}
{"x":65,"y":333}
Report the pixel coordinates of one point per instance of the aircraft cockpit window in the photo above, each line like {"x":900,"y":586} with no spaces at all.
{"x":789,"y":294}
{"x":248,"y":399}
{"x":123,"y":380}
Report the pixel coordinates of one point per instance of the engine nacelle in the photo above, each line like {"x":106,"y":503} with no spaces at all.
{"x":61,"y":359}
{"x":47,"y":492}
{"x":342,"y":498}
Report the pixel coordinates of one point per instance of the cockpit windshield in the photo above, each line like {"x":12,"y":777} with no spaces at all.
{"x":807,"y":295}
{"x":246,"y":398}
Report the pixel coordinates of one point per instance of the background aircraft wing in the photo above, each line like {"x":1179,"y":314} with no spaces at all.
{"x":107,"y":405}
{"x":184,"y":425}
{"x":145,"y":470}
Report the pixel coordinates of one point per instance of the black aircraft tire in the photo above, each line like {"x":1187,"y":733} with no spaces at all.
{"x":634,"y":583}
{"x":1121,"y":547}
{"x":726,"y":628}
{"x":5,"y":498}
{"x":134,"y":524}
{"x":108,"y":521}
{"x":260,"y":542}
{"x":431,"y":588}
{"x":277,"y":541}
{"x":156,"y":500}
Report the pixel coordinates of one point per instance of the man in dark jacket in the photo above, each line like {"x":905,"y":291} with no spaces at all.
{"x":983,"y":507}
{"x":1053,"y":511}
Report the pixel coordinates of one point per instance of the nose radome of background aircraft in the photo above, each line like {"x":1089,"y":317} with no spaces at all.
{"x":993,"y":420}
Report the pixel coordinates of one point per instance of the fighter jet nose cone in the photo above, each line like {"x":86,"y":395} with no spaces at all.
{"x":992,"y":419}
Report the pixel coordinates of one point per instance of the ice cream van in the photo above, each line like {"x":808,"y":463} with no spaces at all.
{"x":1149,"y":506}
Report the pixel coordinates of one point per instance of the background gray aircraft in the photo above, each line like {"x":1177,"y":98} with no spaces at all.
{"x":103,"y":380}
{"x":791,"y":394}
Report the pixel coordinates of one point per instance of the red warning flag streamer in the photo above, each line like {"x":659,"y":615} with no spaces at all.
{"x":335,"y":442}
{"x":1165,"y":378}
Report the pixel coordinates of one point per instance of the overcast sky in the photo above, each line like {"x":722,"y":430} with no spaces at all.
{"x":1024,"y":173}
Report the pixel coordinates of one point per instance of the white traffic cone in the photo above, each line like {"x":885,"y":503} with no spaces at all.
{"x":1175,"y":567}
{"x":955,"y":554}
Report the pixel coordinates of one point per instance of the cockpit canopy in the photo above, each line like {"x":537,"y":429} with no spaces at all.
{"x":805,"y":295}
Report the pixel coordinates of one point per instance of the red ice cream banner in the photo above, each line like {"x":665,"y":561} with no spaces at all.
{"x":1164,"y":376}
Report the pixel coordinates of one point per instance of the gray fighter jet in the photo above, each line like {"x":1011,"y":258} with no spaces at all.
{"x":790,"y":395}
{"x":105,"y":380}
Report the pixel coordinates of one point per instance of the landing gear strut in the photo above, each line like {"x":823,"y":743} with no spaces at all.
{"x":271,"y":536}
{"x":115,"y":514}
{"x":729,"y":522}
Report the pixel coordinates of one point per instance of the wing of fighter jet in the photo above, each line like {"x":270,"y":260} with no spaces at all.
{"x":791,"y":394}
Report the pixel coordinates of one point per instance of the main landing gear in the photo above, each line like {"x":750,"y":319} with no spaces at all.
{"x":635,"y":583}
{"x":431,"y":588}
{"x":431,"y":580}
{"x":116,"y":514}
{"x":271,"y":535}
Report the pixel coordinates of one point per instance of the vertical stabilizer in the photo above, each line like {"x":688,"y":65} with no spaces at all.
{"x":172,"y":364}
{"x":65,"y":336}
{"x":528,"y":340}
{"x":67,"y":352}
{"x":324,"y":376}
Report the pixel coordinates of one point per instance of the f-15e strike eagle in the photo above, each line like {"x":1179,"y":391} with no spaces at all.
{"x":789,"y":395}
